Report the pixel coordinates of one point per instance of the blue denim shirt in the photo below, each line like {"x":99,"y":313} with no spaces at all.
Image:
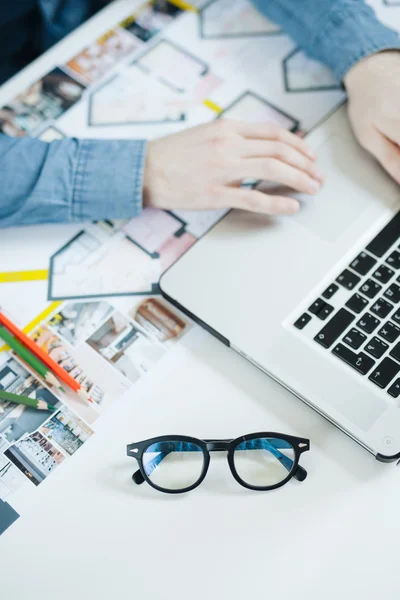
{"x":81,"y":180}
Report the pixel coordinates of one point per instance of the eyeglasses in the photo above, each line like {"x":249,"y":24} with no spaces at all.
{"x":258,"y":461}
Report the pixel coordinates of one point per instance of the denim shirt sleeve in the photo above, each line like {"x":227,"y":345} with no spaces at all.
{"x":69,"y":180}
{"x":339,"y":33}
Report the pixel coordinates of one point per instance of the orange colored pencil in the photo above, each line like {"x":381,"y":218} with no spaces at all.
{"x":51,"y":364}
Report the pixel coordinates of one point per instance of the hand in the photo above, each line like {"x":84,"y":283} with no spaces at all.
{"x":373,"y":86}
{"x":203,"y":168}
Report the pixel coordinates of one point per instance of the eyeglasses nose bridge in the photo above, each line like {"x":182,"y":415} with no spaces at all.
{"x":217,"y":445}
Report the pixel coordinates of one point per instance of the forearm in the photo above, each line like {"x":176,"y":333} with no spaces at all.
{"x":70,"y":180}
{"x":339,"y":33}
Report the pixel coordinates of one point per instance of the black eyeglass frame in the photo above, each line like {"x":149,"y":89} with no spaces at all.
{"x":299,"y":445}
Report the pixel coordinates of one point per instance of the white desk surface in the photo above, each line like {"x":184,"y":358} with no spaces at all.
{"x":94,"y":534}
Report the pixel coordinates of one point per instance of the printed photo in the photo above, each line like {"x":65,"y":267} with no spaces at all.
{"x":48,"y":341}
{"x":16,"y":420}
{"x":35,"y":457}
{"x":47,"y":99}
{"x":95,"y":60}
{"x":159,"y":319}
{"x":10,"y":477}
{"x":76,"y":321}
{"x":7,"y":516}
{"x":151,"y":19}
{"x":67,"y":430}
{"x":125,"y":347}
{"x":252,"y":108}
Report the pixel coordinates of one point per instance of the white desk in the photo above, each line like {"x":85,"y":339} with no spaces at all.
{"x":98,"y":535}
{"x":94,"y":534}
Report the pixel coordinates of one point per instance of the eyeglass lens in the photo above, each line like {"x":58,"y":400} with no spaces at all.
{"x":173,"y":465}
{"x":264,"y":462}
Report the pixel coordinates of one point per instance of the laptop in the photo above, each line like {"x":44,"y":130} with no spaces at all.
{"x":313,"y":299}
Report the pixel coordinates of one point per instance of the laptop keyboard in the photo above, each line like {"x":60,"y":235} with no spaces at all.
{"x":363,"y":329}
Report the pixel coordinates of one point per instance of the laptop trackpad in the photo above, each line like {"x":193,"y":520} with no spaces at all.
{"x":353,"y":183}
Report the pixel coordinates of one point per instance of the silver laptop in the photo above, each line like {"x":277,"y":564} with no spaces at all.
{"x":313,"y":300}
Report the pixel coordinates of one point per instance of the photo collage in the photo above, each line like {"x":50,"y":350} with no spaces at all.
{"x":92,"y":340}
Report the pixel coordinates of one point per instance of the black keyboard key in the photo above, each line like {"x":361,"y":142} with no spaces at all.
{"x":330,"y":291}
{"x":396,"y":316}
{"x":395,"y":352}
{"x":386,"y":238}
{"x":393,"y":293}
{"x":348,"y":279}
{"x":389,"y":332}
{"x":363,"y":263}
{"x":383,"y":274}
{"x":394,"y":389}
{"x":334,"y":328}
{"x":376,"y":347}
{"x":316,"y":306}
{"x":384,"y":372}
{"x":321,"y":309}
{"x":325,"y":311}
{"x":360,"y":362}
{"x":394,"y":260}
{"x":368,"y":323}
{"x":370,"y":288}
{"x":357,"y":303}
{"x":381,"y":308}
{"x":302,"y":321}
{"x":354,"y":338}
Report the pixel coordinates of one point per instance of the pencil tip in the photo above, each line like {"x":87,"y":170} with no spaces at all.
{"x":52,"y":380}
{"x":84,"y":395}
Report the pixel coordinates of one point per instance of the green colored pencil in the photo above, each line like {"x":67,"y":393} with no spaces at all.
{"x":28,"y":356}
{"x":32,"y":402}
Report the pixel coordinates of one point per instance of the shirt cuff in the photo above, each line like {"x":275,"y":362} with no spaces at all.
{"x":351,"y":34}
{"x":108,"y":181}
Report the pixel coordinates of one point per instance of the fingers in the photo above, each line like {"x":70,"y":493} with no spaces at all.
{"x":385,"y":151}
{"x":271,"y":169}
{"x":270,"y":131}
{"x":282,"y":152}
{"x":258,"y":202}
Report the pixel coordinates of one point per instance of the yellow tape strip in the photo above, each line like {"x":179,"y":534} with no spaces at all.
{"x":41,"y":317}
{"x":213,"y":106}
{"x":15,"y":276}
{"x":184,"y":5}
